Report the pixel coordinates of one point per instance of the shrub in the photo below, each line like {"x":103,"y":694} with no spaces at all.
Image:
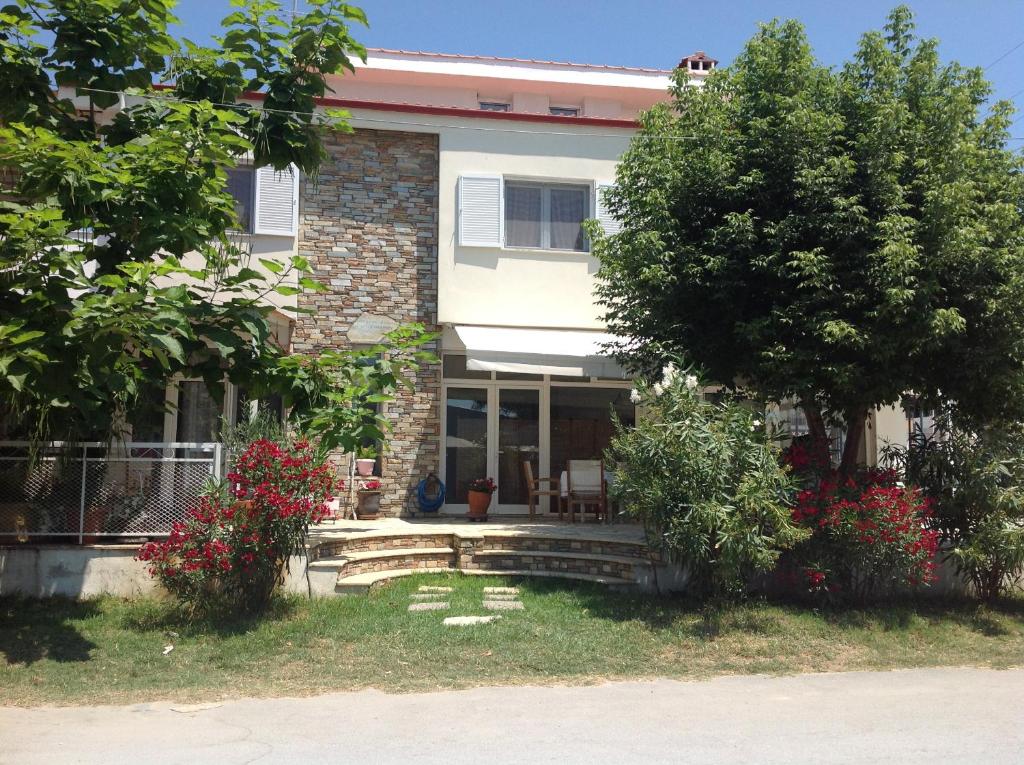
{"x":232,"y":551}
{"x":974,"y":478}
{"x":705,"y":480}
{"x":867,"y":534}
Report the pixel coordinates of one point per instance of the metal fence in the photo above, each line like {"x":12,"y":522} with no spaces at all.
{"x":94,"y":491}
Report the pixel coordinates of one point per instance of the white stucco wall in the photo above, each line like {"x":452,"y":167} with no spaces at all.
{"x":506,"y":286}
{"x":520,"y":287}
{"x":279,"y":248}
{"x":890,"y":427}
{"x":74,"y":572}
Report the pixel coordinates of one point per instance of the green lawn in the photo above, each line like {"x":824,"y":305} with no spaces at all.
{"x":111,"y":651}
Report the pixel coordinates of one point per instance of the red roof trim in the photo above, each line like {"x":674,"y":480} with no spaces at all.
{"x":457,"y":111}
{"x":453,"y":111}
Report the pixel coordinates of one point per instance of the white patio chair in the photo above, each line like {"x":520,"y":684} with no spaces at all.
{"x":585,"y":479}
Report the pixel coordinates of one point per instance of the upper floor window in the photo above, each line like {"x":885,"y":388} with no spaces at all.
{"x":565,"y":111}
{"x":242,"y":187}
{"x":495,"y":106}
{"x":546,"y":215}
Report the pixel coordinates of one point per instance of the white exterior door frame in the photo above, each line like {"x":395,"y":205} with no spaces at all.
{"x":492,"y":388}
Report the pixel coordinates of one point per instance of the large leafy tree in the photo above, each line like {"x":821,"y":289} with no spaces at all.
{"x":161,"y":287}
{"x":841,"y":237}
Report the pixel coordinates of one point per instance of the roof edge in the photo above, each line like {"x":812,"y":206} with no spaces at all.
{"x":510,"y":60}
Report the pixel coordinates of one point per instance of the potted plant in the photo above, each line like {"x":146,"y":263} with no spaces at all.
{"x":366,"y":459}
{"x":368,"y":500}
{"x":480,"y":492}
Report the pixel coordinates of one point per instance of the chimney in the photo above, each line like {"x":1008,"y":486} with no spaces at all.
{"x":699,"y":63}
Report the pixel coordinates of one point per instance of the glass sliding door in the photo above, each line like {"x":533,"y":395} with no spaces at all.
{"x":465,"y":440}
{"x":518,"y":442}
{"x":492,"y":427}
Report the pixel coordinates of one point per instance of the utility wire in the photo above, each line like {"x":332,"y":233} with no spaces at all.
{"x":1011,"y":50}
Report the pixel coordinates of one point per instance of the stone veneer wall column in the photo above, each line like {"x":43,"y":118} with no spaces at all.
{"x":368,"y":226}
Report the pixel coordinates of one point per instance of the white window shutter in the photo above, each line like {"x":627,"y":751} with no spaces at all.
{"x":276,"y":207}
{"x":604,"y":217}
{"x":481,"y":211}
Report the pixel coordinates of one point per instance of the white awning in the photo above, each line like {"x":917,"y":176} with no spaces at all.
{"x":575,"y":353}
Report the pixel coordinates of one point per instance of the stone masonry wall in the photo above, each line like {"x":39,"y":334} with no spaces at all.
{"x":368,"y":226}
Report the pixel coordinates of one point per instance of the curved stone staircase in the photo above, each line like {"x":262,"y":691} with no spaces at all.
{"x":349,"y":564}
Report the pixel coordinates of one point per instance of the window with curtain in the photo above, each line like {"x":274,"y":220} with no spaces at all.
{"x":242,"y":187}
{"x":546,"y":215}
{"x":523,"y":209}
{"x":198,"y":413}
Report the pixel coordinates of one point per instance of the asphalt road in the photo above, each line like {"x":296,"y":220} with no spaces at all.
{"x":919,"y":716}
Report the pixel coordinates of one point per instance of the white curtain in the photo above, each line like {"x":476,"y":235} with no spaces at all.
{"x":568,"y":211}
{"x":198,"y":413}
{"x":522,"y":216}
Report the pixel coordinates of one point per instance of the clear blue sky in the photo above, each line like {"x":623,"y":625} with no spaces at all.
{"x":657,"y":33}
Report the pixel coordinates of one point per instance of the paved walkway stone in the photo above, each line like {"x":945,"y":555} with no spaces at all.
{"x":466,"y":621}
{"x":435,"y":606}
{"x":426,"y":595}
{"x":500,"y":596}
{"x":503,"y":605}
{"x":428,"y":588}
{"x":502,"y":590}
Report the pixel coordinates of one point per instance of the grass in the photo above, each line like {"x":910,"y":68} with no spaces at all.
{"x":111,"y":651}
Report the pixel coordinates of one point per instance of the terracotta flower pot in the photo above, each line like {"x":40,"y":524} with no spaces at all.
{"x":95,"y":519}
{"x":365,"y":467}
{"x":368,"y":505}
{"x":479,"y":501}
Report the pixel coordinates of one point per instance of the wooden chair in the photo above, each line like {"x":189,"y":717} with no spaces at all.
{"x":585,"y":479}
{"x":534,"y":491}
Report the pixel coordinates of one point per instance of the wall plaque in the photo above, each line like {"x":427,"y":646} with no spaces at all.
{"x":370,"y":329}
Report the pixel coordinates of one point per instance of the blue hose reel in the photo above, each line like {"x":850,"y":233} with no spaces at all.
{"x":430,"y":494}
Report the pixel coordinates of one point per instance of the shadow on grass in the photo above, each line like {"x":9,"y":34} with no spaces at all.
{"x":166,"y":615}
{"x":764,"y":616}
{"x":900,"y":613}
{"x":653,"y":611}
{"x":32,"y":630}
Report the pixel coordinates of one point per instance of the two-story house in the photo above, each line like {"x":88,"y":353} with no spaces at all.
{"x":458,"y":203}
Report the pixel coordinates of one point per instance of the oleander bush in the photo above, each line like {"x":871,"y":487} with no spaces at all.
{"x":974,"y":476}
{"x":232,"y":551}
{"x":706,"y":481}
{"x":868,"y":535}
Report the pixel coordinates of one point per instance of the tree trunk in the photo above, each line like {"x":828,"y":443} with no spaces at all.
{"x":815,"y":421}
{"x":855,"y":422}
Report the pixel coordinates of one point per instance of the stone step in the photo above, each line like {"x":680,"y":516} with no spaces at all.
{"x":573,"y":555}
{"x":362,"y":583}
{"x":336,"y":544}
{"x":633,"y":548}
{"x":357,"y":584}
{"x":608,"y":580}
{"x":339,"y":561}
{"x":625,"y":568}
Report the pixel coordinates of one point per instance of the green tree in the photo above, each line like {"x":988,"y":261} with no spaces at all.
{"x":840,"y":237}
{"x":86,"y":326}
